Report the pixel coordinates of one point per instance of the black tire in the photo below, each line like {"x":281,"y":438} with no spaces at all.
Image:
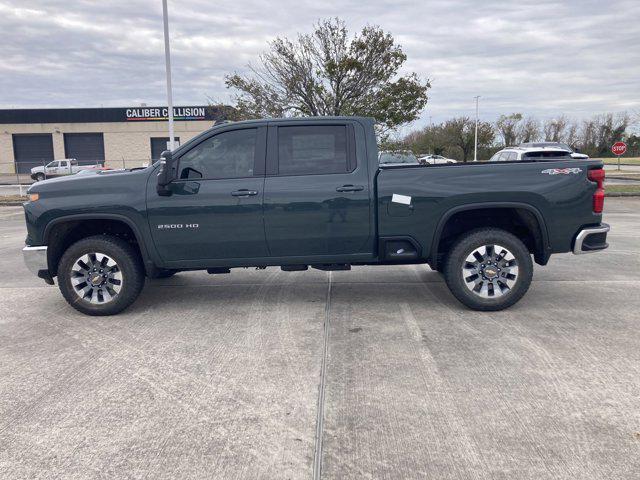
{"x":39,"y":177}
{"x":127,"y":264}
{"x":495,"y":292}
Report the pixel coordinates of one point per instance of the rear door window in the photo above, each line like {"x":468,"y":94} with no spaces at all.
{"x":314,"y":150}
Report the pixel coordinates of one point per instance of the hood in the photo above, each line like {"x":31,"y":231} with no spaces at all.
{"x":85,"y":180}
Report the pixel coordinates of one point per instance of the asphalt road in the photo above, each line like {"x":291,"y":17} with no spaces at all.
{"x":218,"y":376}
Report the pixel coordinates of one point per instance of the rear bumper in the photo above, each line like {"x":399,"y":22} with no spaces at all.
{"x":35,"y":258}
{"x":591,"y":239}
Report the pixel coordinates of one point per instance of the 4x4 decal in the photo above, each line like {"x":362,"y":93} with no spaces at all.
{"x":561,"y":171}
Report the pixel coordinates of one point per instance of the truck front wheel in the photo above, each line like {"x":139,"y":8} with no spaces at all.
{"x":38,"y":177}
{"x":100,"y":275}
{"x":488,"y":269}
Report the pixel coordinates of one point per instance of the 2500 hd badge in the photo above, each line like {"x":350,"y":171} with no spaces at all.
{"x":174,"y":226}
{"x":309,"y":192}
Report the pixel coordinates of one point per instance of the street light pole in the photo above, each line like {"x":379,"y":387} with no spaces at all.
{"x":167,"y":62}
{"x":475,"y":149}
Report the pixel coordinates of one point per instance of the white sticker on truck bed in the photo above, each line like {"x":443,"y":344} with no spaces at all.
{"x":404,"y":199}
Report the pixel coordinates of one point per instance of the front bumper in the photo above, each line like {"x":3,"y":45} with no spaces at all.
{"x":36,"y":260}
{"x":591,"y":239}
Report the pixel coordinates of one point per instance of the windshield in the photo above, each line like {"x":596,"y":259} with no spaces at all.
{"x":394,"y":157}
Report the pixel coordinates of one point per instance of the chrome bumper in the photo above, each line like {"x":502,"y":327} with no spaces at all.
{"x":36,"y":259}
{"x":582,"y":245}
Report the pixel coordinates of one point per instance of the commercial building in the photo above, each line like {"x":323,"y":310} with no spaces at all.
{"x":116,"y":137}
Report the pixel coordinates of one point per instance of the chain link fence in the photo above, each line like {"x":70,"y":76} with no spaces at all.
{"x":26,"y":173}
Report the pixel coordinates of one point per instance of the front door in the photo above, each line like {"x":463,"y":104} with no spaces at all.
{"x":214,"y":211}
{"x":317,"y":193}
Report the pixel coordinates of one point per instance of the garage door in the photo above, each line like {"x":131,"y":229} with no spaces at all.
{"x":31,"y":150}
{"x":87,"y":148}
{"x":159,"y":145}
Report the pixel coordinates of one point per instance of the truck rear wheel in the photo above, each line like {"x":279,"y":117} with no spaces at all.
{"x":100,"y":275}
{"x":488,"y":269}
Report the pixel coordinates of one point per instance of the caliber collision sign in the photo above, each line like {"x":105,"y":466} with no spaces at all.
{"x":619,"y":148}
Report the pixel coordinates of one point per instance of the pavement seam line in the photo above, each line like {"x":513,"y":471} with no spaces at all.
{"x":317,"y":451}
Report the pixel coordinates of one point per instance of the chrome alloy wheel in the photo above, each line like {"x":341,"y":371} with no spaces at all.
{"x":490,"y":271}
{"x":96,"y":278}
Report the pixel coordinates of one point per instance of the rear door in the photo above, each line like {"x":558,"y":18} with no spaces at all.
{"x":63,"y":168}
{"x":317,"y":194}
{"x":215,"y":209}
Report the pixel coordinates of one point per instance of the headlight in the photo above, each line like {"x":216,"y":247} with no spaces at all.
{"x":33,"y":197}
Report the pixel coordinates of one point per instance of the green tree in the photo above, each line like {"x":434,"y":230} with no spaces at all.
{"x":507,"y":126}
{"x":601,"y":131}
{"x":430,"y":139}
{"x":327,"y":73}
{"x":460,"y":132}
{"x":529,"y":130}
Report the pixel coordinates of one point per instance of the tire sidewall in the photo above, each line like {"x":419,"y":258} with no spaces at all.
{"x":121,"y":253}
{"x":463,"y":248}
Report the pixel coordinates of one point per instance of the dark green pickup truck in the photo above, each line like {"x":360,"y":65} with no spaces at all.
{"x":309,"y":192}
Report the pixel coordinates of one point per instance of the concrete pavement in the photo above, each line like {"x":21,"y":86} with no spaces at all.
{"x":218,"y":376}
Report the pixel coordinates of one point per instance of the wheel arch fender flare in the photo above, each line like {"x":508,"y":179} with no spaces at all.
{"x":140,"y":239}
{"x":544,"y":234}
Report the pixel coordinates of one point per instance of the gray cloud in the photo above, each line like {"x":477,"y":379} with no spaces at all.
{"x":544,"y":58}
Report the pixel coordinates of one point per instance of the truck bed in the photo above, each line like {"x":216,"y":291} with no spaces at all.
{"x":557,"y":192}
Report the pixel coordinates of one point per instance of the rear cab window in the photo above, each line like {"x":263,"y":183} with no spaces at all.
{"x":315,"y":150}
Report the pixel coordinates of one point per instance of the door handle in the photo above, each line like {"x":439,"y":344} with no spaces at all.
{"x":350,"y":188}
{"x":244,"y":193}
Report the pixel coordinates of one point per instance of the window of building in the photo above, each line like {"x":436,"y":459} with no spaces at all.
{"x":226,"y":155}
{"x":159,"y":145}
{"x":87,"y":148}
{"x":32,"y":150}
{"x":308,"y":150}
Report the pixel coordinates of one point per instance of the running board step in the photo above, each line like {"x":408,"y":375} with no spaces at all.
{"x":331,"y":267}
{"x":218,"y":270}
{"x":294,"y":268}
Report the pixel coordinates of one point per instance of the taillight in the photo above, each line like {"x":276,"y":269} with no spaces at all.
{"x":597,"y":176}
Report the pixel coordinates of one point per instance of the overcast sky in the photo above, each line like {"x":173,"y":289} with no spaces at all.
{"x":544,"y":58}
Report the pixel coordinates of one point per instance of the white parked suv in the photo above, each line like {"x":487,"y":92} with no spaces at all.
{"x":562,"y":145}
{"x":436,"y":159}
{"x":527,"y":153}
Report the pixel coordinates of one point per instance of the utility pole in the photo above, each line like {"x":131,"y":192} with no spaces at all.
{"x":167,"y":62}
{"x":475,"y":149}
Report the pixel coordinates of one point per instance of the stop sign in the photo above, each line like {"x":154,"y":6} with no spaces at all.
{"x":619,"y":148}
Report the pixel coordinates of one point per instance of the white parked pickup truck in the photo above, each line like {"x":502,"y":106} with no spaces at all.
{"x":58,"y":168}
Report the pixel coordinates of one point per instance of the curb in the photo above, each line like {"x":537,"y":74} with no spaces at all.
{"x":621,"y":194}
{"x":623,"y":177}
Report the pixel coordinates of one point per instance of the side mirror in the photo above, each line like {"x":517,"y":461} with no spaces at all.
{"x":166,"y":174}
